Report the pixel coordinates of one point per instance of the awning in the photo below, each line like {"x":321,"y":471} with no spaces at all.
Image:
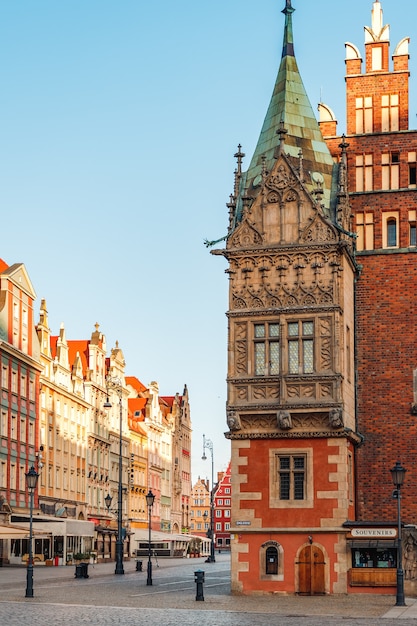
{"x":58,"y":527}
{"x":13,"y":532}
{"x":142,"y":534}
{"x":372,"y":543}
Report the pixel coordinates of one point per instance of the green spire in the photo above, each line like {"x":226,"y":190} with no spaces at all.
{"x":290,"y":110}
{"x":288,"y":47}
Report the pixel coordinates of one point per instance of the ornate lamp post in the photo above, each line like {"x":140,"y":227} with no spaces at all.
{"x":149,"y":501}
{"x":398,"y":475}
{"x":107,"y":500}
{"x":31,"y":482}
{"x":207,"y":443}
{"x":116,"y":384}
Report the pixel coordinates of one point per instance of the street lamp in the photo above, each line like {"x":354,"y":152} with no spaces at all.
{"x":31,"y":482}
{"x":207,"y":443}
{"x":149,"y":501}
{"x":116,"y":384}
{"x":398,"y":475}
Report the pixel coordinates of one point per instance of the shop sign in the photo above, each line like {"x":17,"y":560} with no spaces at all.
{"x":243,"y":523}
{"x":374,"y":533}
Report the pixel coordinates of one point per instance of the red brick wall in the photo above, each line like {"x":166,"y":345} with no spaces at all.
{"x":386,"y":329}
{"x":387,"y":355}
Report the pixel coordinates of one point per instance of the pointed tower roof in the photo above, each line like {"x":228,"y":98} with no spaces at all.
{"x":290,"y":116}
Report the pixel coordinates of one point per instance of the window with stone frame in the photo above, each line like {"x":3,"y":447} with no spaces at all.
{"x":291,"y":478}
{"x":266,"y":349}
{"x":412,"y":170}
{"x":300,"y":335}
{"x":271,"y":561}
{"x":390,"y":234}
{"x":412,"y":239}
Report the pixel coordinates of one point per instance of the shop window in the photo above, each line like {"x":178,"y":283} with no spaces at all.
{"x":374,"y":557}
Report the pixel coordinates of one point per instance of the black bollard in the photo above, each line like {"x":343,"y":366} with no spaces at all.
{"x":199,"y":579}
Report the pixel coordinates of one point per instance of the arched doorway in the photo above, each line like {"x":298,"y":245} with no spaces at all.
{"x":311,"y":571}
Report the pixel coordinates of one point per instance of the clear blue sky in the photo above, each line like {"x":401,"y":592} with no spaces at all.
{"x":119,"y":121}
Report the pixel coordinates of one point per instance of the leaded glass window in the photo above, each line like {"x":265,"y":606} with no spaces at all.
{"x":301,"y":347}
{"x":292,"y":477}
{"x":266,"y":349}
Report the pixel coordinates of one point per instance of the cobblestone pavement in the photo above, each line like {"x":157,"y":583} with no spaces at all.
{"x":105,"y":598}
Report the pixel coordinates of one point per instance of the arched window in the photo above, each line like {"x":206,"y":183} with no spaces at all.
{"x":391,"y":232}
{"x":271,"y":565}
{"x":271,"y":561}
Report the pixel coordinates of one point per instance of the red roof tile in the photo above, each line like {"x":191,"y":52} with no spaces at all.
{"x":135,"y":383}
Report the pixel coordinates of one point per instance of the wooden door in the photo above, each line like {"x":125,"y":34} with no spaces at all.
{"x":311,"y":571}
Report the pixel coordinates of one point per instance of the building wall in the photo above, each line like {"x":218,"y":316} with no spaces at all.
{"x":386,"y":334}
{"x":222,"y":508}
{"x":20,"y":369}
{"x":200,"y":508}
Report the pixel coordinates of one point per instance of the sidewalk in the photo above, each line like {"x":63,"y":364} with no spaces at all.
{"x":104,"y":588}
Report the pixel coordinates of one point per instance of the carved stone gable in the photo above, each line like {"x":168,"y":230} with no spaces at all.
{"x":245,"y":236}
{"x":319,"y":231}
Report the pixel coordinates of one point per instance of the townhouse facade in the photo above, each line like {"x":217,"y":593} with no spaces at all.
{"x":200,"y":508}
{"x":19,"y":402}
{"x":69,"y":410}
{"x":222,"y":510}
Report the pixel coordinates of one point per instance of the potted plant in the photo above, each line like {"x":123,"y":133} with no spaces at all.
{"x":80,"y":557}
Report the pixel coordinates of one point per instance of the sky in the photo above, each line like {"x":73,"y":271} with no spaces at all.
{"x":119,"y":120}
